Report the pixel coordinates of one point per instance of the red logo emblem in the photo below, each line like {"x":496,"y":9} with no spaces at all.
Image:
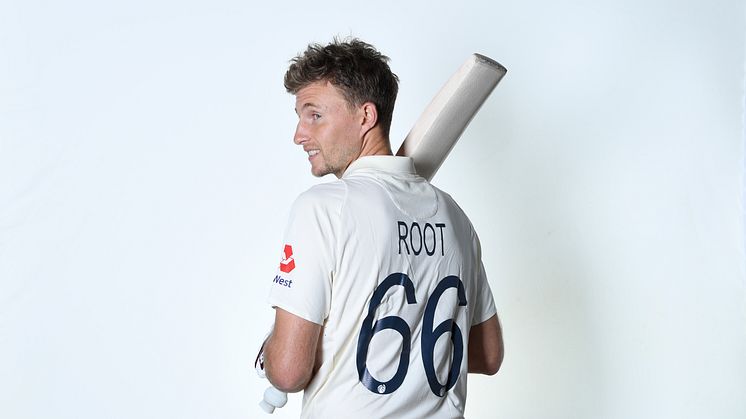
{"x":288,"y":263}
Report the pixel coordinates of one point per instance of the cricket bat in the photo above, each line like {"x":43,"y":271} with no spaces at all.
{"x":429,"y":142}
{"x":446,"y":117}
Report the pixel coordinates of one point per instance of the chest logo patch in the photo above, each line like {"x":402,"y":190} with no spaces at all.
{"x":287,"y":263}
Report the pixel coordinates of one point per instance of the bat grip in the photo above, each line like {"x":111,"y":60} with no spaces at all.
{"x":273,"y":398}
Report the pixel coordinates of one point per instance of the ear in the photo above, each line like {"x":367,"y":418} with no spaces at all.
{"x":370,"y":116}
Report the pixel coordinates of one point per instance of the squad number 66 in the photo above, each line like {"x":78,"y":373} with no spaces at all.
{"x":429,"y":336}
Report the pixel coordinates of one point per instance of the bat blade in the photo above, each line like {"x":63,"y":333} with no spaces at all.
{"x":446,"y":117}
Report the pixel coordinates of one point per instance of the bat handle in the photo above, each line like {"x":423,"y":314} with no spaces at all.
{"x":273,"y":398}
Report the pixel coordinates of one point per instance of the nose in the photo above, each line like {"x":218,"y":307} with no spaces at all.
{"x":300,"y":136}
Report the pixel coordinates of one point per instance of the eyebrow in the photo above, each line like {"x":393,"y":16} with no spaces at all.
{"x":307,"y":105}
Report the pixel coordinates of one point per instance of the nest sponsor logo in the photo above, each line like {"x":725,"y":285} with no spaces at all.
{"x":282,"y":281}
{"x":287,"y":263}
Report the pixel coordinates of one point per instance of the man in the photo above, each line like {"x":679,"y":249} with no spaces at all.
{"x":381,"y":302}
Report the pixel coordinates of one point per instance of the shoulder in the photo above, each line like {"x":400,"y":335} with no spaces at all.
{"x":454,"y":209}
{"x":446,"y":199}
{"x":326,"y":197}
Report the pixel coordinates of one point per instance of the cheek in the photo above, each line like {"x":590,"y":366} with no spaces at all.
{"x":336,"y":138}
{"x":349,"y":132}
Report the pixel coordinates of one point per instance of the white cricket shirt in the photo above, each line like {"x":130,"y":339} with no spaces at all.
{"x":391,"y":267}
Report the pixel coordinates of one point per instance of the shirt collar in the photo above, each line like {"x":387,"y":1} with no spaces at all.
{"x":392,"y":164}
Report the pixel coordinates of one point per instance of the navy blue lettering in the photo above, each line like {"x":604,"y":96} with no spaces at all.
{"x":420,"y":240}
{"x":403,"y":237}
{"x":441,"y":226}
{"x":282,"y":281}
{"x":424,"y":239}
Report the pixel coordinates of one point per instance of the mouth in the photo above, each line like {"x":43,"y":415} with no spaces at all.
{"x":312,"y":153}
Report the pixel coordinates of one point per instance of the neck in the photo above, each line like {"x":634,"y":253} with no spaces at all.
{"x":375,"y":144}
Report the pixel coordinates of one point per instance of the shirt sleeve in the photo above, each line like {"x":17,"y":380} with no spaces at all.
{"x":303,"y":282}
{"x":485,"y":303}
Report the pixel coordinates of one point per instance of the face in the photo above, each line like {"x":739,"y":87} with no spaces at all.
{"x":327,"y":129}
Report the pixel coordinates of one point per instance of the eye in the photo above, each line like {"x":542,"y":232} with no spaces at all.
{"x":315,"y":116}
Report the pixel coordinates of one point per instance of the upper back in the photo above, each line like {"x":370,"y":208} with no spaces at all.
{"x":406,"y":287}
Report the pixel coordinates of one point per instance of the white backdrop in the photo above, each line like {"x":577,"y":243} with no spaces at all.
{"x":147,"y":167}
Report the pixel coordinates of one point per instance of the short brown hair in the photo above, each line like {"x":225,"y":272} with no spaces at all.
{"x":353,"y":66}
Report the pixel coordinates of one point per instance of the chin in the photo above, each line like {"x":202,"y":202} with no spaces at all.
{"x":319,"y":172}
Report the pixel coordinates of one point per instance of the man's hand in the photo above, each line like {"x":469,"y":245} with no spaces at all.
{"x":290,"y":351}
